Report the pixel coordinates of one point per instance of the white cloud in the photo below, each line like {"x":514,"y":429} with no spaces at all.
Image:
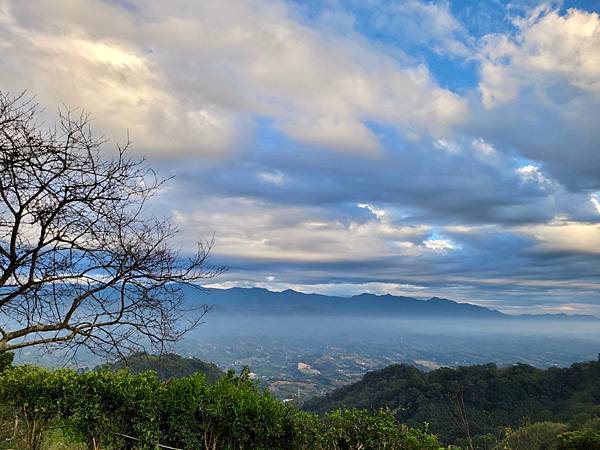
{"x":548,"y":49}
{"x":531,"y":173}
{"x":439,"y":244}
{"x":425,"y":23}
{"x":332,"y":133}
{"x":295,"y":234}
{"x":448,"y":146}
{"x":564,"y":235}
{"x":539,"y":92}
{"x":595,"y":202}
{"x":116,"y":81}
{"x":483,"y":148}
{"x":377,"y":212}
{"x":276,"y":178}
{"x":192,"y":77}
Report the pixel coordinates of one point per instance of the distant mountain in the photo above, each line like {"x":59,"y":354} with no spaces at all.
{"x":258,"y":301}
{"x":166,"y":366}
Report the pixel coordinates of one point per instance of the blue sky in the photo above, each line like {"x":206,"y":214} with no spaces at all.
{"x":406,"y":147}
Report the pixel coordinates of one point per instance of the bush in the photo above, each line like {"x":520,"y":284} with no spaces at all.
{"x":118,"y":410}
{"x":38,"y":396}
{"x":6,"y":360}
{"x":231,"y":414}
{"x":357,"y":428}
{"x":113,"y":404}
{"x":580,"y":440}
{"x":537,"y":436}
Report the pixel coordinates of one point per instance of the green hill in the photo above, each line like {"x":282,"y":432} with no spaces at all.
{"x":474,"y":400}
{"x":166,"y":366}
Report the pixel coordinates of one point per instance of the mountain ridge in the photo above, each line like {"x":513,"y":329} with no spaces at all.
{"x":261,"y":301}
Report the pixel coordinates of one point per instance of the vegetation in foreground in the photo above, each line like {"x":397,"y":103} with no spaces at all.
{"x":118,"y":409}
{"x":61,"y":408}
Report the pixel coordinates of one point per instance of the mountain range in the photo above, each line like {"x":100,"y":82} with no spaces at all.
{"x":259,"y":301}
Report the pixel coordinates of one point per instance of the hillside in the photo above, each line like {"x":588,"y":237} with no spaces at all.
{"x":258,"y":301}
{"x":484,"y":398}
{"x":166,"y":366}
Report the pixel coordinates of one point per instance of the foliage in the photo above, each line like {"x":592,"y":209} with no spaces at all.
{"x":166,"y":366}
{"x":577,"y":434}
{"x":580,"y":440}
{"x":111,"y":404}
{"x":230,"y":414}
{"x":118,"y":410}
{"x":356,"y":428}
{"x":542,"y":435}
{"x":6,"y":360}
{"x":480,"y":400}
{"x":39,"y":396}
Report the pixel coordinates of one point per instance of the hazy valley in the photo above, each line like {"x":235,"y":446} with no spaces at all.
{"x":304,"y":345}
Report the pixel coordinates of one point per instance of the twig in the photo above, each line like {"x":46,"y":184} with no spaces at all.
{"x":158,"y":445}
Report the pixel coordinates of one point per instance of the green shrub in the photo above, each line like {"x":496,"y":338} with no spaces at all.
{"x":118,"y":410}
{"x":230,"y":414}
{"x":357,"y":428}
{"x":6,"y":360}
{"x":586,"y":439}
{"x":112,"y":404}
{"x":38,"y":396}
{"x":537,"y":436}
{"x":180,"y":413}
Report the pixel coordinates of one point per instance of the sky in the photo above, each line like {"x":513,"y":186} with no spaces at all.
{"x":407,"y":147}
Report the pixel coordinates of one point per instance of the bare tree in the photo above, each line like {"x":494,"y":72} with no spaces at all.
{"x":81,"y":263}
{"x":459,"y":413}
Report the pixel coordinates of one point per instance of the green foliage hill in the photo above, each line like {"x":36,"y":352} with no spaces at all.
{"x":473,"y":401}
{"x":166,"y":366}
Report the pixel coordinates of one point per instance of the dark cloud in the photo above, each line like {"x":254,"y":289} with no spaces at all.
{"x":426,"y":182}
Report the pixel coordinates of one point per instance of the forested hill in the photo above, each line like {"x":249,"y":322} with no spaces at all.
{"x":484,"y":398}
{"x":258,"y":301}
{"x":166,"y":366}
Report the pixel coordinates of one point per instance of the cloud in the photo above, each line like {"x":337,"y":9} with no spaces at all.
{"x":493,"y":267}
{"x":531,"y":173}
{"x":571,"y":53}
{"x":320,"y":143}
{"x":194,"y":77}
{"x":297,"y":234}
{"x":341,"y":134}
{"x":566,"y":236}
{"x":428,"y":24}
{"x":377,"y":212}
{"x":540,"y":93}
{"x":276,"y":177}
{"x":549,"y":48}
{"x":595,"y":202}
{"x":439,"y":244}
{"x":113,"y":78}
